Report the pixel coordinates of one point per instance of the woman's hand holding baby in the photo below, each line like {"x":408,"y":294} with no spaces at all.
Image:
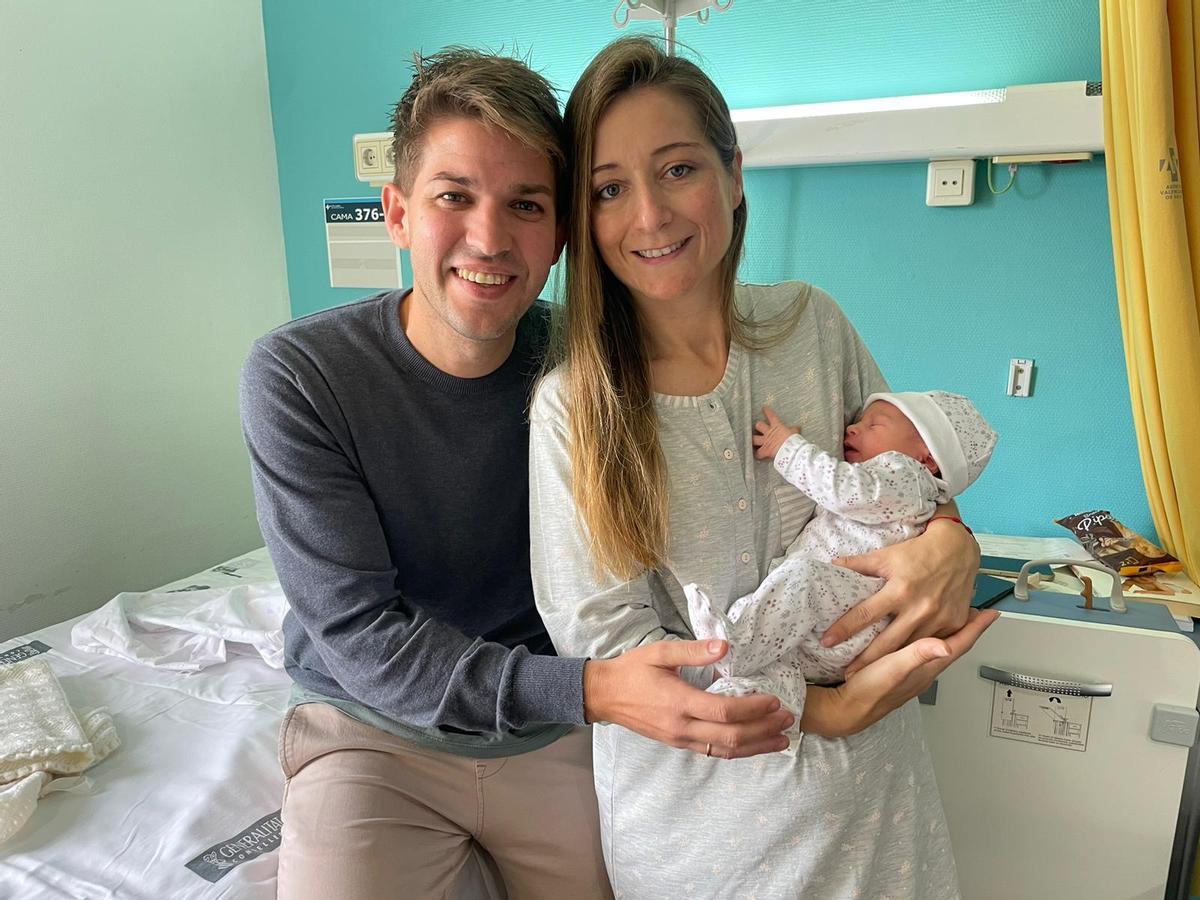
{"x":888,"y":683}
{"x":770,"y":435}
{"x":930,"y":582}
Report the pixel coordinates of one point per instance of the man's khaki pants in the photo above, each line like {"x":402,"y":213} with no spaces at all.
{"x":368,"y":815}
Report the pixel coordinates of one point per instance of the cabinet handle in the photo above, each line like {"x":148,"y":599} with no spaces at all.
{"x":1045,"y":685}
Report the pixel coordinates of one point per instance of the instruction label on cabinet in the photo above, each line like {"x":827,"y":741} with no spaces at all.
{"x":1037,"y":717}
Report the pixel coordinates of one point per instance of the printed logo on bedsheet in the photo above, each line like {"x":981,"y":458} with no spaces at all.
{"x":21,"y":653}
{"x":220,"y":859}
{"x":231,"y":568}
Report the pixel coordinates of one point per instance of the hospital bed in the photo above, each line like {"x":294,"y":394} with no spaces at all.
{"x":188,"y":806}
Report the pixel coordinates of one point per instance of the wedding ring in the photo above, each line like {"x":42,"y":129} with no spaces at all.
{"x":708,"y":749}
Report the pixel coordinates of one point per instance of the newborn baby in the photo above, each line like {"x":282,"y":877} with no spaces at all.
{"x":908,"y":453}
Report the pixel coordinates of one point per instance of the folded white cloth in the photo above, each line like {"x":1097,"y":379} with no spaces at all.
{"x":187,"y":630}
{"x":41,"y":737}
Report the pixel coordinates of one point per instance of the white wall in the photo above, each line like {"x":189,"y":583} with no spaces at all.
{"x":140,"y":254}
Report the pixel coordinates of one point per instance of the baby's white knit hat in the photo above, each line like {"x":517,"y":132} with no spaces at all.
{"x":957,"y":436}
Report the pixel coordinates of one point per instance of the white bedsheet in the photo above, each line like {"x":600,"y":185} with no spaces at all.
{"x":197,"y":776}
{"x":187,"y":629}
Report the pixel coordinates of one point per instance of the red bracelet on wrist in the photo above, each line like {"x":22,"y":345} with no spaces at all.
{"x":954,"y":519}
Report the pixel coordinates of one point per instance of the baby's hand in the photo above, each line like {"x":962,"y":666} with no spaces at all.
{"x":770,"y":435}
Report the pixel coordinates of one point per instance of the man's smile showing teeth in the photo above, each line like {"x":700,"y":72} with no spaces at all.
{"x":483,"y":277}
{"x":661,"y":251}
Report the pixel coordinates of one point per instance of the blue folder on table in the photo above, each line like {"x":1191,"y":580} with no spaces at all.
{"x":989,"y":589}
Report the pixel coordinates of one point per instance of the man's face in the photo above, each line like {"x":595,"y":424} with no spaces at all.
{"x":479,"y":224}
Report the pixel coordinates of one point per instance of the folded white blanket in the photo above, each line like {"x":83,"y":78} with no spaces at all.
{"x":40,"y":738}
{"x":187,"y":630}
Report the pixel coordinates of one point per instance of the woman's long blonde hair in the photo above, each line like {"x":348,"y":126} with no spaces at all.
{"x":620,"y":474}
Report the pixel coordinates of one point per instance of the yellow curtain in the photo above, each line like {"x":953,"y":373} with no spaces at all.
{"x":1152,"y":157}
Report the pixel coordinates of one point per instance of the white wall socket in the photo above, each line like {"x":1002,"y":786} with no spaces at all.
{"x":373,"y":159}
{"x":951,"y":182}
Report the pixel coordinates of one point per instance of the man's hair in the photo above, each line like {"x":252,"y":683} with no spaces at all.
{"x":499,"y":91}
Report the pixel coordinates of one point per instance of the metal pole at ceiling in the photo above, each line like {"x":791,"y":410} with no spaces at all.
{"x":669,"y":12}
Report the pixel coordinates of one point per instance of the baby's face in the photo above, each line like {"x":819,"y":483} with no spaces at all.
{"x":882,"y":428}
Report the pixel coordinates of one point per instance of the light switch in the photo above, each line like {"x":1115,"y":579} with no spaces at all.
{"x":1020,"y":377}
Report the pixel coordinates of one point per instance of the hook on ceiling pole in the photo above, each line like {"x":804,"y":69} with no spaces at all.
{"x":669,"y":12}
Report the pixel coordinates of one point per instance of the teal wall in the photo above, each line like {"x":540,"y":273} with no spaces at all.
{"x":944,"y":297}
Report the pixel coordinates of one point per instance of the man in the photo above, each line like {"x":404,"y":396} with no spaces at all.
{"x":389,"y":452}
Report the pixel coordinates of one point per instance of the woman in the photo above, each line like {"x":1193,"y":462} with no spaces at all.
{"x":642,"y":467}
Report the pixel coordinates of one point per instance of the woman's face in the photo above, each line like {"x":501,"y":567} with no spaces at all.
{"x":662,"y":200}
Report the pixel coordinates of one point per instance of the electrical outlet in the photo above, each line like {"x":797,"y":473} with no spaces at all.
{"x":370,"y":158}
{"x":373,"y":159}
{"x":951,"y":182}
{"x":948,"y":181}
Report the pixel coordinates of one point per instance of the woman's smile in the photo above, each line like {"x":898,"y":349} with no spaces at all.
{"x":665,"y":254}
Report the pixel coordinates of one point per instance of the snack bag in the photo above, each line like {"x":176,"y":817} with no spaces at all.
{"x":1116,"y":546}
